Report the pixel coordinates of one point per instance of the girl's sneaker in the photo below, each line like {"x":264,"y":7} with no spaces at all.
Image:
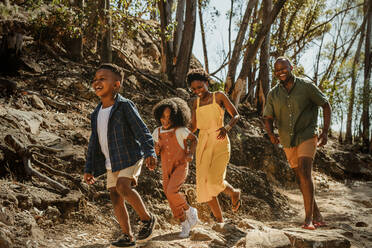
{"x":192,"y":216}
{"x":185,"y":232}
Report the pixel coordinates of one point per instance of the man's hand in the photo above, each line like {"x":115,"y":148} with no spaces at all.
{"x":89,"y":178}
{"x":322,"y":139}
{"x":274,"y":139}
{"x":151,"y":162}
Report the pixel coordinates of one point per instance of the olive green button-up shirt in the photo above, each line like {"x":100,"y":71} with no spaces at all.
{"x":295,"y":113}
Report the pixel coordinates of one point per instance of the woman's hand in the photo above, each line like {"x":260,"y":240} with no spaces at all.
{"x":222,"y":133}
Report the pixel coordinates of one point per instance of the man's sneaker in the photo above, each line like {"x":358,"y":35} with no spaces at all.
{"x":124,"y":241}
{"x":185,"y":232}
{"x":192,"y":216}
{"x":146,"y":229}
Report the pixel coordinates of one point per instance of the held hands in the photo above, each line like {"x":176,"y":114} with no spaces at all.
{"x":274,"y":139}
{"x":189,"y":157}
{"x":151,"y":162}
{"x":89,"y":178}
{"x":322,"y":139}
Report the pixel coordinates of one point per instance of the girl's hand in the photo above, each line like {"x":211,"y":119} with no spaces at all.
{"x":157,"y":148}
{"x":222,"y":133}
{"x":89,"y":178}
{"x":151,"y":162}
{"x":189,"y":157}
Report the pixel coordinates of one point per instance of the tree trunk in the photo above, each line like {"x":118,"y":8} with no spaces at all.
{"x":166,"y":44}
{"x":10,"y":52}
{"x":367,"y":78}
{"x":264,"y":80}
{"x":251,"y":50}
{"x":354,"y":71}
{"x":75,"y":45}
{"x":206,"y":66}
{"x":180,"y":16}
{"x":234,"y":61}
{"x":183,"y":61}
{"x":106,"y":49}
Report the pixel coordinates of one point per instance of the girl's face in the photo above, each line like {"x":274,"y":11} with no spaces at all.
{"x":165,"y":119}
{"x":199,"y":88}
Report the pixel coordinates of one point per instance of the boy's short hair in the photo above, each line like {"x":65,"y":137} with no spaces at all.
{"x":197,"y":74}
{"x":118,"y":72}
{"x":180,"y":112}
{"x":285,"y":58}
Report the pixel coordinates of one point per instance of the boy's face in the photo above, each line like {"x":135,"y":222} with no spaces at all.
{"x":105,"y":83}
{"x":165,"y":119}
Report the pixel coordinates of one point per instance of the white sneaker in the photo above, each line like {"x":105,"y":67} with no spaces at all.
{"x":185,"y":230}
{"x":192,"y":216}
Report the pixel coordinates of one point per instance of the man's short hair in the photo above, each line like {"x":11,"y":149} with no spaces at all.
{"x":118,"y":72}
{"x":284,"y":58}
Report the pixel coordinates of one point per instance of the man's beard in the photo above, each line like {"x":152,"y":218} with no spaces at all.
{"x":284,"y":82}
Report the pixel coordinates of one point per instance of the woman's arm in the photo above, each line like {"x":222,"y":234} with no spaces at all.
{"x":222,"y":98}
{"x":193,"y":117}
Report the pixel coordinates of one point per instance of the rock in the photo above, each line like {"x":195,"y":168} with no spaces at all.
{"x":30,"y":120}
{"x":24,"y":201}
{"x":52,"y":213}
{"x":321,"y":239}
{"x":251,"y":224}
{"x":7,"y":87}
{"x":199,"y":234}
{"x":182,"y":93}
{"x":5,"y":241}
{"x":6,"y":216}
{"x":37,"y":102}
{"x":268,"y":238}
{"x":30,"y":65}
{"x":361,"y":224}
{"x":133,"y":80}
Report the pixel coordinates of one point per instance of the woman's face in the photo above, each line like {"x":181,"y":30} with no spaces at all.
{"x":199,"y":88}
{"x":165,"y":119}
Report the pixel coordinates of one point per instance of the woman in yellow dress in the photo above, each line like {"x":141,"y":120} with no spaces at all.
{"x":213,"y":148}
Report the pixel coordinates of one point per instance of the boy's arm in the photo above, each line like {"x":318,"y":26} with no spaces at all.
{"x":140,"y":130}
{"x":88,"y":171}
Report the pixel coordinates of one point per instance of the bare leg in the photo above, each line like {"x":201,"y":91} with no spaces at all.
{"x":306,"y":185}
{"x":126,"y":191}
{"x":233,"y":193}
{"x":120,"y":211}
{"x":216,"y":209}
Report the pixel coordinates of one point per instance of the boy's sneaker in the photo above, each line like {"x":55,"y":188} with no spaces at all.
{"x":146,"y":229}
{"x":185,"y":232}
{"x":124,"y":241}
{"x":192,"y":216}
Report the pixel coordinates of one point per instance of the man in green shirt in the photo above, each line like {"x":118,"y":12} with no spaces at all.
{"x":293,"y":105}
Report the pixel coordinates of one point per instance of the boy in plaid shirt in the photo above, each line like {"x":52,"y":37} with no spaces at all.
{"x":120,"y":142}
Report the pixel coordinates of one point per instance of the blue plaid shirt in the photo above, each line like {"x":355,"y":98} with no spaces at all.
{"x":128,"y":138}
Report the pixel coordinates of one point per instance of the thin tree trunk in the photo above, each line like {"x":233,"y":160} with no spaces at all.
{"x":264,"y":80}
{"x":183,"y":61}
{"x":367,"y":78}
{"x":251,"y":50}
{"x":316,"y":73}
{"x":166,"y":46}
{"x":230,"y":21}
{"x":234,"y":61}
{"x":180,"y":16}
{"x":106,"y":49}
{"x":354,"y":71}
{"x":203,"y":37}
{"x":75,"y":45}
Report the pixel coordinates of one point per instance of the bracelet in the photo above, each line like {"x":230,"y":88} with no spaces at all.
{"x":227,"y":127}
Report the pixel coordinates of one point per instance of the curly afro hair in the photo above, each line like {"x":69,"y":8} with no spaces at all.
{"x":180,"y":111}
{"x":197,"y":74}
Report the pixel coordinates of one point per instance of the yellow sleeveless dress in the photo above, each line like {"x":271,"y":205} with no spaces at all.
{"x":212,"y":154}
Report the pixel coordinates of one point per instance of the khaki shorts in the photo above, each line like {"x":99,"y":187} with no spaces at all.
{"x":132,"y":172}
{"x":305,"y":149}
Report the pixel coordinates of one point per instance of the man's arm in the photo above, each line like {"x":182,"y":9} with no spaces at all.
{"x":270,"y":129}
{"x":327,"y":111}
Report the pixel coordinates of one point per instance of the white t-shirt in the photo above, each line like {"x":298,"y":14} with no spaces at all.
{"x":102,"y":124}
{"x":181,"y":134}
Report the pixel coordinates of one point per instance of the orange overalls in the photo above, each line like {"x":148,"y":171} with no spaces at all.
{"x":175,"y":168}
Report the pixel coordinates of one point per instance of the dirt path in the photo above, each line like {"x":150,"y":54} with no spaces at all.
{"x":346,"y":206}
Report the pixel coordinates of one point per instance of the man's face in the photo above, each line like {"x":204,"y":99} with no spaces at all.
{"x":282,"y":70}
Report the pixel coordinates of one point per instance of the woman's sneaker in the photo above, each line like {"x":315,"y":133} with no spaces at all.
{"x":146,"y":229}
{"x":124,"y":241}
{"x":185,"y":232}
{"x":192,"y":216}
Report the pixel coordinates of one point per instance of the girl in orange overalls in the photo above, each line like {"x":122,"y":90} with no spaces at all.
{"x":213,"y":149}
{"x":176,"y":145}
